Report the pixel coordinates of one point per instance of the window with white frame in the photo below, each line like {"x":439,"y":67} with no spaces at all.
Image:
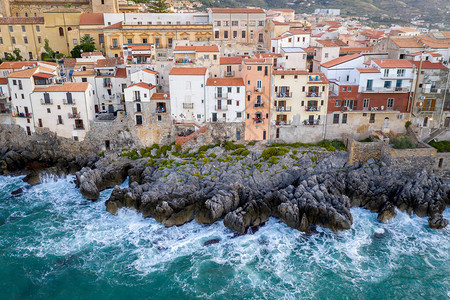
{"x":390,"y":102}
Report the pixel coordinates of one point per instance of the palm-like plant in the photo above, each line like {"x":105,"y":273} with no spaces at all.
{"x":87,"y":40}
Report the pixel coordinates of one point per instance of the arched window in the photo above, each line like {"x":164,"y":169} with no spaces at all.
{"x":69,"y":29}
{"x":61,"y":31}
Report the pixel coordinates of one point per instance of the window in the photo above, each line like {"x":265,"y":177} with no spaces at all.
{"x":238,"y":90}
{"x":260,"y":23}
{"x":84,"y":79}
{"x":49,"y":111}
{"x":390,"y":102}
{"x":234,"y":23}
{"x":20,"y":84}
{"x":226,"y":23}
{"x":38,"y":28}
{"x":259,"y":68}
{"x":336,"y":119}
{"x":138,"y":120}
{"x":372,"y":118}
{"x":366,"y":103}
{"x":39,"y":40}
{"x":159,"y":117}
{"x":114,"y":42}
{"x":101,"y":38}
{"x":349,"y":89}
{"x":75,"y":41}
{"x":387,"y":84}
{"x":344,"y":89}
{"x":243,"y":34}
{"x":386,"y":72}
{"x":14,"y":82}
{"x":13,"y":40}
{"x":234,"y":34}
{"x":225,"y":34}
{"x":249,"y":68}
{"x":11,"y":29}
{"x":25,"y":40}
{"x":103,"y":2}
{"x":260,"y":38}
{"x":229,"y":102}
{"x":337,"y":103}
{"x":229,"y":89}
{"x":24,"y":29}
{"x":1,"y":40}
{"x":30,"y":55}
{"x":326,"y":55}
{"x":216,"y":34}
{"x":238,"y":115}
{"x":61,"y":31}
{"x":218,"y":23}
{"x":400,"y":72}
{"x":344,"y":119}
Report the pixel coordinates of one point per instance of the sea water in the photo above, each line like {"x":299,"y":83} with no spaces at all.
{"x":56,"y":245}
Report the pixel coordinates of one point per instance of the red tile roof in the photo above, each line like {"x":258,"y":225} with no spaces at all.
{"x":70,"y":62}
{"x":140,"y":47}
{"x":368,"y":70}
{"x":150,"y":71}
{"x":340,"y":60}
{"x":3,"y":80}
{"x":298,"y":31}
{"x":160,"y":96}
{"x":92,"y":19}
{"x":23,"y":73}
{"x":233,"y":60}
{"x":332,"y":43}
{"x":290,"y":72}
{"x":406,"y":42}
{"x":429,"y":65}
{"x":115,"y":26}
{"x":393,"y":63}
{"x":43,"y":75}
{"x":17,"y":64}
{"x":197,"y":48}
{"x":91,"y":54}
{"x":188,"y":71}
{"x":238,"y":10}
{"x":143,"y":85}
{"x":108,"y":62}
{"x":225,"y":81}
{"x":279,"y":23}
{"x":66,"y":87}
{"x":121,"y":72}
{"x":355,"y":49}
{"x":21,"y":20}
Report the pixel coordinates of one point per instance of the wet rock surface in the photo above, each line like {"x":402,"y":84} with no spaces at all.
{"x":316,"y":187}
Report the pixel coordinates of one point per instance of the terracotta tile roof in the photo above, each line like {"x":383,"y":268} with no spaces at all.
{"x":406,"y":42}
{"x":140,"y":47}
{"x":143,"y":85}
{"x":429,"y":65}
{"x":92,"y":54}
{"x":279,"y":23}
{"x":23,"y":74}
{"x":225,"y":81}
{"x":254,"y":60}
{"x":50,"y":63}
{"x":393,"y":63}
{"x":368,"y":70}
{"x":43,"y":75}
{"x":41,"y":68}
{"x":66,"y":87}
{"x":446,"y":34}
{"x":290,"y":72}
{"x":197,"y":48}
{"x":268,"y":55}
{"x":160,"y":96}
{"x":233,"y":60}
{"x":332,"y":43}
{"x":84,"y":73}
{"x":238,"y":10}
{"x":434,"y":43}
{"x":21,"y":20}
{"x":108,"y":62}
{"x":188,"y":71}
{"x":331,"y":22}
{"x":340,"y":60}
{"x":150,"y":71}
{"x":92,"y":19}
{"x":17,"y":64}
{"x":3,"y":80}
{"x":121,"y":72}
{"x":115,"y":26}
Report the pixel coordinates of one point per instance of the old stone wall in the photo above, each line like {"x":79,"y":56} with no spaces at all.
{"x":418,"y":158}
{"x":364,"y":151}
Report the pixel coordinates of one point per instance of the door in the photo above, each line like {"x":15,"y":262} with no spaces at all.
{"x":111,"y":109}
{"x":386,"y":123}
{"x":369,"y":84}
{"x":214,"y":117}
{"x":96,"y":109}
{"x":264,"y":135}
{"x":398,"y":85}
{"x":311,"y":120}
{"x":259,"y":85}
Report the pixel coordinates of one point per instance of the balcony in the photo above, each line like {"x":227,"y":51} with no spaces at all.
{"x":78,"y":127}
{"x":221,"y":107}
{"x":311,"y":123}
{"x":46,"y":101}
{"x":109,"y":97}
{"x":384,"y":90}
{"x":3,"y":96}
{"x":312,"y":108}
{"x":313,"y":95}
{"x":115,"y":47}
{"x":282,"y":123}
{"x":136,"y":99}
{"x":74,"y":116}
{"x":283,"y":108}
{"x":314,"y":78}
{"x":229,"y":74}
{"x":23,"y":115}
{"x":188,"y":105}
{"x":259,"y":90}
{"x":221,"y":96}
{"x":68,"y":102}
{"x":284,"y":95}
{"x":184,"y":61}
{"x":258,"y":120}
{"x":160,"y":110}
{"x":259,"y":105}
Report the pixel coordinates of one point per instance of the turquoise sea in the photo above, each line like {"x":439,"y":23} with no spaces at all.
{"x":56,"y":245}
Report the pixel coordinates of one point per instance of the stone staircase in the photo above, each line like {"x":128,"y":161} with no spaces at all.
{"x":435,"y":133}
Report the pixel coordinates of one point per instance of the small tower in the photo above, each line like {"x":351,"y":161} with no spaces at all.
{"x":104,"y":6}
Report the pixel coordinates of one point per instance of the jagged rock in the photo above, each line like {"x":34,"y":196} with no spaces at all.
{"x":387,"y":212}
{"x":437,"y":221}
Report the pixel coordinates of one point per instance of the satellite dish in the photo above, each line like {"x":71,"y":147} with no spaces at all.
{"x":165,"y":96}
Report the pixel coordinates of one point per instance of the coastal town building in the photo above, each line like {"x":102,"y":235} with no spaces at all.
{"x":225,"y":100}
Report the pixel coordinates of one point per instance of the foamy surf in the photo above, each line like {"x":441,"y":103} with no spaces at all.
{"x":50,"y":234}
